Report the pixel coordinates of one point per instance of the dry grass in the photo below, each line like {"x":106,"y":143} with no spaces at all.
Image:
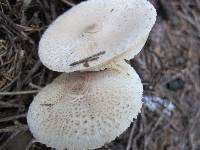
{"x":169,"y":67}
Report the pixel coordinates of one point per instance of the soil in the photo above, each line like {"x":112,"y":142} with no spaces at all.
{"x":169,"y":66}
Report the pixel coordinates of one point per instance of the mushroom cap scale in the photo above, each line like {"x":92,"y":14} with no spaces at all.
{"x":84,"y":111}
{"x":110,"y":28}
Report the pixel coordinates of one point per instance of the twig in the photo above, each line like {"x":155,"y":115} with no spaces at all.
{"x":19,"y":93}
{"x":90,"y":58}
{"x":29,"y":145}
{"x":86,"y":64}
{"x":35,"y":86}
{"x":9,"y":84}
{"x":68,"y":3}
{"x":8,"y":129}
{"x":127,"y":61}
{"x":9,"y":105}
{"x":13,"y":118}
{"x":19,"y":32}
{"x":9,"y":139}
{"x":13,"y":128}
{"x":131,"y":137}
{"x":191,"y":21}
{"x":31,"y":72}
{"x":26,"y":3}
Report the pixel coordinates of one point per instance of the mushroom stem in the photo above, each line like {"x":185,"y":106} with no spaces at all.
{"x":119,"y":65}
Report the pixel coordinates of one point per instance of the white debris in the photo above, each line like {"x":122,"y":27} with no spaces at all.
{"x":153,"y":102}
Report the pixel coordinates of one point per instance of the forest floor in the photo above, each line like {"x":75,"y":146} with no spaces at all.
{"x":169,"y":67}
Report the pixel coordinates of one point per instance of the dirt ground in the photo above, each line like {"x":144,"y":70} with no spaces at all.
{"x":169,"y":66}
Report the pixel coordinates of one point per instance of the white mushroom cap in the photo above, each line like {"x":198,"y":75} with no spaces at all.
{"x":84,"y":111}
{"x":108,"y":28}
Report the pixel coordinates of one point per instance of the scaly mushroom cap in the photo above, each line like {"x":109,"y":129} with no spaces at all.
{"x":97,"y":31}
{"x":84,"y":111}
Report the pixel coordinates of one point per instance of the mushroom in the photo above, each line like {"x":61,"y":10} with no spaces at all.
{"x":96,"y":34}
{"x":81,"y":111}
